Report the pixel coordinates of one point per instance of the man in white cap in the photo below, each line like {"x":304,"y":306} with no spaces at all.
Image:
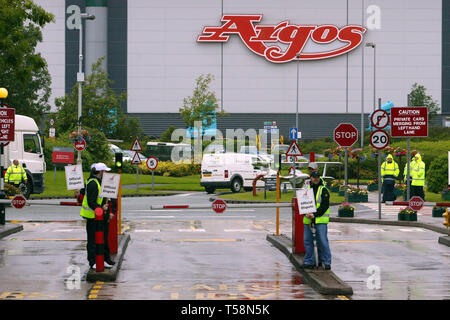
{"x":92,"y":201}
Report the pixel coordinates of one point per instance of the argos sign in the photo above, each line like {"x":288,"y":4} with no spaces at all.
{"x":258,"y":38}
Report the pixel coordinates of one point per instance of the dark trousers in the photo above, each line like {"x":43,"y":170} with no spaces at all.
{"x":90,"y":230}
{"x":388,"y":190}
{"x":417,"y":191}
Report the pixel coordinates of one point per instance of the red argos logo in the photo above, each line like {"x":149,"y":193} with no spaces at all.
{"x":293,"y":37}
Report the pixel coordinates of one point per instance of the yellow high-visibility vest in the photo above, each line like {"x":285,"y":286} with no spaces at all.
{"x":325,"y":218}
{"x":15,"y":174}
{"x":85,"y":210}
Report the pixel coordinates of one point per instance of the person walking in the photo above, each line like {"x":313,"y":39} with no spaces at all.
{"x":90,"y":202}
{"x":320,"y":218}
{"x":389,"y":172}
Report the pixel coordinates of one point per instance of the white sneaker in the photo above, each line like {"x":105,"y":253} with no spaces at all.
{"x":94,"y":266}
{"x":107,"y":265}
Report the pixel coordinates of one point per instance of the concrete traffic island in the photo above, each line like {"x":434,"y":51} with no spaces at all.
{"x":444,"y":240}
{"x":323,"y":281}
{"x":111,"y":274}
{"x":9,"y":228}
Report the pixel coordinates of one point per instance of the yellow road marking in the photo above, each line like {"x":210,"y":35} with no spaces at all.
{"x":95,"y":290}
{"x":343,"y":298}
{"x":174,"y":295}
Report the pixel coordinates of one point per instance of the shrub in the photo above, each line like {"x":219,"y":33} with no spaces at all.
{"x":11,"y":190}
{"x":437,"y":174}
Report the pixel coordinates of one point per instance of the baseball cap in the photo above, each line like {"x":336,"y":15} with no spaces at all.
{"x":313,"y":165}
{"x":100,"y":167}
{"x":315,"y":174}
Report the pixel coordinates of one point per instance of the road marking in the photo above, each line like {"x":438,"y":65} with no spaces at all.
{"x":343,"y":298}
{"x":239,"y":230}
{"x":356,"y":241}
{"x":147,"y":230}
{"x":186,"y":210}
{"x":411,"y":230}
{"x":191,"y":230}
{"x":370,"y":230}
{"x":199,"y":240}
{"x":63,"y":230}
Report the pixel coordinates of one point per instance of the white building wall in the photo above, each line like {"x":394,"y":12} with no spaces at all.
{"x":164,"y":58}
{"x":52,"y":47}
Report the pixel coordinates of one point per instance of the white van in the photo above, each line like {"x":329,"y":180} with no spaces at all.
{"x":232,"y":170}
{"x":27,"y":148}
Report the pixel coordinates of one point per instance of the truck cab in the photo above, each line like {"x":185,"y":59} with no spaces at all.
{"x":27,"y":148}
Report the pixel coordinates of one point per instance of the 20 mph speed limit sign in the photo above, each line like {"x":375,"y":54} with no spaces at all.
{"x":379,"y":139}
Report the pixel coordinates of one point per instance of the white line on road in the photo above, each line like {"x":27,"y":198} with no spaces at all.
{"x":240,"y":230}
{"x":147,"y":230}
{"x":191,"y":230}
{"x":187,"y":210}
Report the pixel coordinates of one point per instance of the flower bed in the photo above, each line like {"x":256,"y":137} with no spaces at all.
{"x":335,"y":185}
{"x":358,"y":195}
{"x":399,"y":190}
{"x":407,"y":214}
{"x":372,"y":185}
{"x":446,"y":194}
{"x":346,"y":210}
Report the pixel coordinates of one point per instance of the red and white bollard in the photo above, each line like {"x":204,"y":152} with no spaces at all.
{"x":99,"y":242}
{"x":297,"y":229}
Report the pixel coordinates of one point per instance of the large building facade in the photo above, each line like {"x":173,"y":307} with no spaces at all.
{"x":152,"y":51}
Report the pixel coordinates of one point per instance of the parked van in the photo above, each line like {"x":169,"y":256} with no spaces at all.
{"x":27,"y":147}
{"x":232,"y":170}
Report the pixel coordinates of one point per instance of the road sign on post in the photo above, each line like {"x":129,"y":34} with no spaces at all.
{"x":345,"y":135}
{"x":409,"y":122}
{"x":19,"y":202}
{"x":416,"y":203}
{"x":293,"y":133}
{"x":152,"y":164}
{"x":379,"y":139}
{"x":136,"y":145}
{"x":80,"y":145}
{"x":219,"y":206}
{"x":379,"y":119}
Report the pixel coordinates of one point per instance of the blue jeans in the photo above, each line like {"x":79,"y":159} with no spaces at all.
{"x":323,"y":248}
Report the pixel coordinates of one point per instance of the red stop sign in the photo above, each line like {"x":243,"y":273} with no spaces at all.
{"x":219,"y":206}
{"x":345,"y":134}
{"x":19,"y":202}
{"x":416,"y":203}
{"x":80,"y":145}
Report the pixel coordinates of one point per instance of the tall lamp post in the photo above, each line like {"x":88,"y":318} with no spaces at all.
{"x":3,"y":96}
{"x":373,"y":45}
{"x":80,"y":74}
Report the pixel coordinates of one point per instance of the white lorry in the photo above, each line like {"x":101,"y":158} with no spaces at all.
{"x":233,"y":170}
{"x":28,"y":149}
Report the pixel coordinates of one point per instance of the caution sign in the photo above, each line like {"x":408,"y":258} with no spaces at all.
{"x":74,"y":177}
{"x":409,"y":122}
{"x":7,"y":118}
{"x":136,"y":159}
{"x":110,"y":185}
{"x":136,"y":145}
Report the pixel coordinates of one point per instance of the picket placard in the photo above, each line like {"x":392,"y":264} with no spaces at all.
{"x":74,"y":177}
{"x":306,"y":201}
{"x":110,"y":185}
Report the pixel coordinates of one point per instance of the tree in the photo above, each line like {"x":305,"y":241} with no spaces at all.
{"x":101,"y":108}
{"x":419,"y":98}
{"x":202,"y":106}
{"x":23,"y":71}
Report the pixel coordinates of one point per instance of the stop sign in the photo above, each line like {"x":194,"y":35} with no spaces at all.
{"x":219,"y":206}
{"x":19,"y":202}
{"x":345,"y":134}
{"x":416,"y":203}
{"x":80,"y":145}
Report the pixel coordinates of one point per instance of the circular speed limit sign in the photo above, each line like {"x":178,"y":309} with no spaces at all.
{"x":152,"y":163}
{"x":379,"y":139}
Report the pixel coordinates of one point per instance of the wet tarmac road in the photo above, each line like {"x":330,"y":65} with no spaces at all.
{"x":200,"y":255}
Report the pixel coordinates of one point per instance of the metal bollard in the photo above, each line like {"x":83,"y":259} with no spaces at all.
{"x":99,"y":242}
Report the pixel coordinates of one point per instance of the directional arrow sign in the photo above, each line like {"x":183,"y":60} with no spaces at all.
{"x":293,"y":133}
{"x":136,"y":145}
{"x":294,"y":150}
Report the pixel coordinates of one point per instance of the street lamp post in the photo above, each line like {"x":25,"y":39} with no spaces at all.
{"x":3,"y":96}
{"x":373,"y":45}
{"x":80,"y":74}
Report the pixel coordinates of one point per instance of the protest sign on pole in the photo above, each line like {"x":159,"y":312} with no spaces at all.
{"x":74,"y":177}
{"x":110,"y":185}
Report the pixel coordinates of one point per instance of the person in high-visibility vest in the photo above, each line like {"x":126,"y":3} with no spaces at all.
{"x":389,"y":172}
{"x":15,"y":174}
{"x":92,"y":201}
{"x":321,"y":218}
{"x":418,"y":177}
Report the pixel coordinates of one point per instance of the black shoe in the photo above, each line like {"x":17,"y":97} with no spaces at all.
{"x":327,"y":267}
{"x":110,"y":262}
{"x":308,"y":266}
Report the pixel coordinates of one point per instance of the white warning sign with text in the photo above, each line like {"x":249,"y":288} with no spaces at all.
{"x":110,"y":185}
{"x":74,"y":177}
{"x":306,"y":201}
